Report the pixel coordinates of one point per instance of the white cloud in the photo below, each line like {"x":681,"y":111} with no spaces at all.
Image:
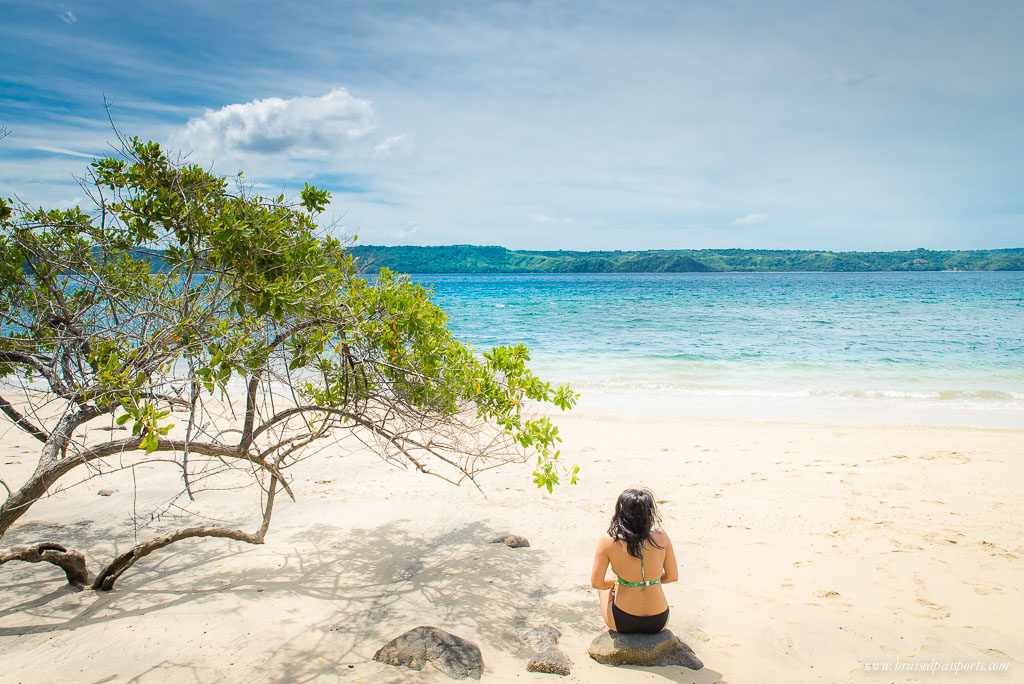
{"x":541,"y":218}
{"x":65,"y":151}
{"x":749,"y":219}
{"x":391,"y":235}
{"x":78,"y":201}
{"x":309,"y":127}
{"x":67,"y":17}
{"x":396,"y":144}
{"x":407,"y":232}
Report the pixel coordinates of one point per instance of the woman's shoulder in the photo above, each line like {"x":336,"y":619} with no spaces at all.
{"x":660,"y":537}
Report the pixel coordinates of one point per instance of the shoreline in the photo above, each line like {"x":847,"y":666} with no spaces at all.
{"x":801,"y":409}
{"x":808,"y":551}
{"x":637,"y":416}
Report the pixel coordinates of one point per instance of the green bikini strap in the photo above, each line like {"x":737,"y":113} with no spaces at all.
{"x":643,"y":576}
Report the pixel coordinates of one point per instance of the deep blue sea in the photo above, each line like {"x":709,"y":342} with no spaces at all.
{"x":903,"y":347}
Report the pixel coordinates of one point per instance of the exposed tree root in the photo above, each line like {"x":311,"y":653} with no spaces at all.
{"x":105,"y":579}
{"x":71,"y":562}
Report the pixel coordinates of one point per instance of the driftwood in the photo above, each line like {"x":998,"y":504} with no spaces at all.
{"x":71,"y":562}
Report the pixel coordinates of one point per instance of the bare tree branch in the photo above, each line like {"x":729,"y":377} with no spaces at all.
{"x":23,"y":422}
{"x":120,"y":446}
{"x":41,"y":365}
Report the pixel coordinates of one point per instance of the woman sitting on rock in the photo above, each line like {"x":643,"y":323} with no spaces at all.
{"x":642,"y":559}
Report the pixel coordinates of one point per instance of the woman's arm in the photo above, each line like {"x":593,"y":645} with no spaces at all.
{"x":671,"y":573}
{"x":601,"y":561}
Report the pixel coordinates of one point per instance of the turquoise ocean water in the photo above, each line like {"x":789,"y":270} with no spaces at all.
{"x":895,"y":347}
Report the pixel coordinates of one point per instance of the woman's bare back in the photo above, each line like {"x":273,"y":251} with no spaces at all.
{"x":647,"y":600}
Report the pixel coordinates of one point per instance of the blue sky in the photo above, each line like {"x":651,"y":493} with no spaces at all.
{"x":550,"y":125}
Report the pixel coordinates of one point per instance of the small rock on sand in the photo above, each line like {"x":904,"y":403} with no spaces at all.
{"x":547,"y":657}
{"x":539,"y":638}
{"x":550,"y":661}
{"x":513,"y":541}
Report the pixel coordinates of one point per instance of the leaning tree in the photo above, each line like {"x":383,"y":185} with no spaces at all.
{"x":217,"y":331}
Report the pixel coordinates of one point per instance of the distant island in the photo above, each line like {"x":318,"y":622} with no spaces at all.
{"x":478,"y":259}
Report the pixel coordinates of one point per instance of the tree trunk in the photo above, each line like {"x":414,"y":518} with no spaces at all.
{"x":20,"y":501}
{"x":50,"y":469}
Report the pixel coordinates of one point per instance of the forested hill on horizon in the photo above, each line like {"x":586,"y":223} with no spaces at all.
{"x":478,"y":259}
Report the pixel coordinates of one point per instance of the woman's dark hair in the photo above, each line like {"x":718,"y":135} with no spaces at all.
{"x":636,"y":514}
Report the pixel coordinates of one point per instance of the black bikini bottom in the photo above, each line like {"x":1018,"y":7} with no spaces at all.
{"x":645,"y":624}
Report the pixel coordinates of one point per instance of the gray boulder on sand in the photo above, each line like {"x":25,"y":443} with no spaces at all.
{"x":547,"y":657}
{"x":456,"y":657}
{"x":663,"y":648}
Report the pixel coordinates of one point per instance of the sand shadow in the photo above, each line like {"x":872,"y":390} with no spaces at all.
{"x":679,"y":674}
{"x":367,"y":584}
{"x":365,"y":581}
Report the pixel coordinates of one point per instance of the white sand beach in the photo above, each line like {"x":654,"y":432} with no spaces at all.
{"x":808,"y":552}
